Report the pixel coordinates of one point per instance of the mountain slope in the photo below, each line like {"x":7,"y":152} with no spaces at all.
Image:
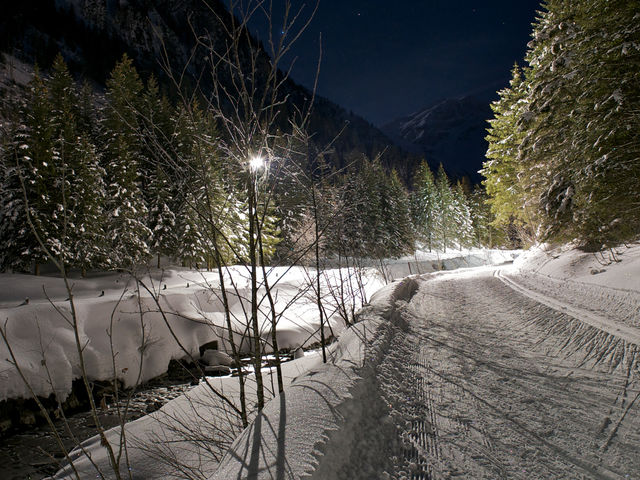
{"x":93,"y":34}
{"x":450,"y":132}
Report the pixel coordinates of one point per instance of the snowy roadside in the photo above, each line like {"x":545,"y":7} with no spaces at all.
{"x":190,"y":435}
{"x":605,"y":287}
{"x":615,"y":269}
{"x":187,"y":437}
{"x":423,"y":262}
{"x":285,"y":439}
{"x":309,"y":431}
{"x":191,"y":300}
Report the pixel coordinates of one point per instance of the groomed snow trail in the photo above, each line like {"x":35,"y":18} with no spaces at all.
{"x":489,"y":376}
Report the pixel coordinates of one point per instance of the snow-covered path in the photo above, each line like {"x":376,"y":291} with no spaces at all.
{"x":498,"y":376}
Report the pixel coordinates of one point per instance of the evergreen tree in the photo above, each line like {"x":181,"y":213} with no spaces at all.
{"x":374,"y":218}
{"x":193,"y":247}
{"x":160,"y":183}
{"x":484,"y":230}
{"x":423,"y":205}
{"x":87,"y":199}
{"x":31,"y":185}
{"x":506,"y":176}
{"x":127,"y":212}
{"x":162,"y":219}
{"x":444,"y":226}
{"x":19,"y":247}
{"x":397,"y":217}
{"x":549,"y":156}
{"x":82,"y":193}
{"x":463,"y":225}
{"x":581,"y":144}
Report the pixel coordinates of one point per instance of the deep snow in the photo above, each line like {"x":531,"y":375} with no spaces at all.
{"x":142,"y":340}
{"x":480,"y":372}
{"x":143,"y":343}
{"x":466,"y":376}
{"x":195,"y":316}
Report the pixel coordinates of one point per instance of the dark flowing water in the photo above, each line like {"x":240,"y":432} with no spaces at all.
{"x":34,"y":453}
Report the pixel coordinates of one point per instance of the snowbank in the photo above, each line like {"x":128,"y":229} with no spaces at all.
{"x":427,"y":262}
{"x":605,"y":284}
{"x":618,"y":268}
{"x":118,"y":319}
{"x":287,"y":438}
{"x":193,"y":433}
{"x":185,"y":438}
{"x":116,"y":316}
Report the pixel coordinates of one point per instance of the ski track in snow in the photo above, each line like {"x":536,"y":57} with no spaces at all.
{"x":492,"y":376}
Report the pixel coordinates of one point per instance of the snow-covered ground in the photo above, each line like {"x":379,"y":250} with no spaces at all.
{"x":523,"y":371}
{"x":37,"y":317}
{"x":119,"y":318}
{"x":513,"y":371}
{"x":526,"y":370}
{"x":35,"y":327}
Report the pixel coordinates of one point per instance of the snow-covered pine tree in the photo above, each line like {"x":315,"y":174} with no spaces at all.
{"x":87,"y":202}
{"x":444,"y":222}
{"x":353,"y":222}
{"x":193,"y":247}
{"x":462,"y":217}
{"x":162,"y":219}
{"x":506,"y":176}
{"x":485,"y":233}
{"x":31,"y":189}
{"x":159,"y":182}
{"x":82,"y":192}
{"x":19,"y":248}
{"x":547,"y":149}
{"x":217,"y":225}
{"x":423,"y":204}
{"x":376,"y":206}
{"x":604,"y":67}
{"x":397,"y":220}
{"x":582,"y":118}
{"x":127,"y":212}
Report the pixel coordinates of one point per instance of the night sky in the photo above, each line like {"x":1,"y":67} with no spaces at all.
{"x":385,"y":59}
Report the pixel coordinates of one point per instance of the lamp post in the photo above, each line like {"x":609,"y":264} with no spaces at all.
{"x":256,"y":163}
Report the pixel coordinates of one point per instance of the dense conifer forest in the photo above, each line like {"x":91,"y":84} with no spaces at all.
{"x":564,"y":148}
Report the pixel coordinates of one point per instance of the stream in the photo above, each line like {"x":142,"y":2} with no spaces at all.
{"x":34,"y":452}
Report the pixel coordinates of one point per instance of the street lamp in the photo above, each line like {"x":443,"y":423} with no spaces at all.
{"x":256,"y":163}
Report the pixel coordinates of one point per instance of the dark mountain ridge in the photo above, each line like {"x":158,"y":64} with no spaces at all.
{"x":92,"y":35}
{"x":450,"y":132}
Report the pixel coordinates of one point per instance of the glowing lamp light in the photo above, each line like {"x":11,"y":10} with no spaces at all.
{"x":256,"y":163}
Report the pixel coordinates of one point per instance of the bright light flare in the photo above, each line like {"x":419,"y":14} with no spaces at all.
{"x":256,"y":163}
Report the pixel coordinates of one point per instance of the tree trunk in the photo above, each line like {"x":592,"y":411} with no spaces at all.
{"x":317,"y":252}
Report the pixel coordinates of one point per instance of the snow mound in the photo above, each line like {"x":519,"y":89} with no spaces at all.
{"x":427,"y":262}
{"x":618,"y":268}
{"x":605,"y":284}
{"x":130,"y":334}
{"x":189,"y":434}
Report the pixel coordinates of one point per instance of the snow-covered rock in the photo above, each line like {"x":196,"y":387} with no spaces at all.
{"x":215,"y":358}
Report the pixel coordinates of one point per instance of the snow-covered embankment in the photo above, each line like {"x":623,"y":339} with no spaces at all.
{"x":286,"y":440}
